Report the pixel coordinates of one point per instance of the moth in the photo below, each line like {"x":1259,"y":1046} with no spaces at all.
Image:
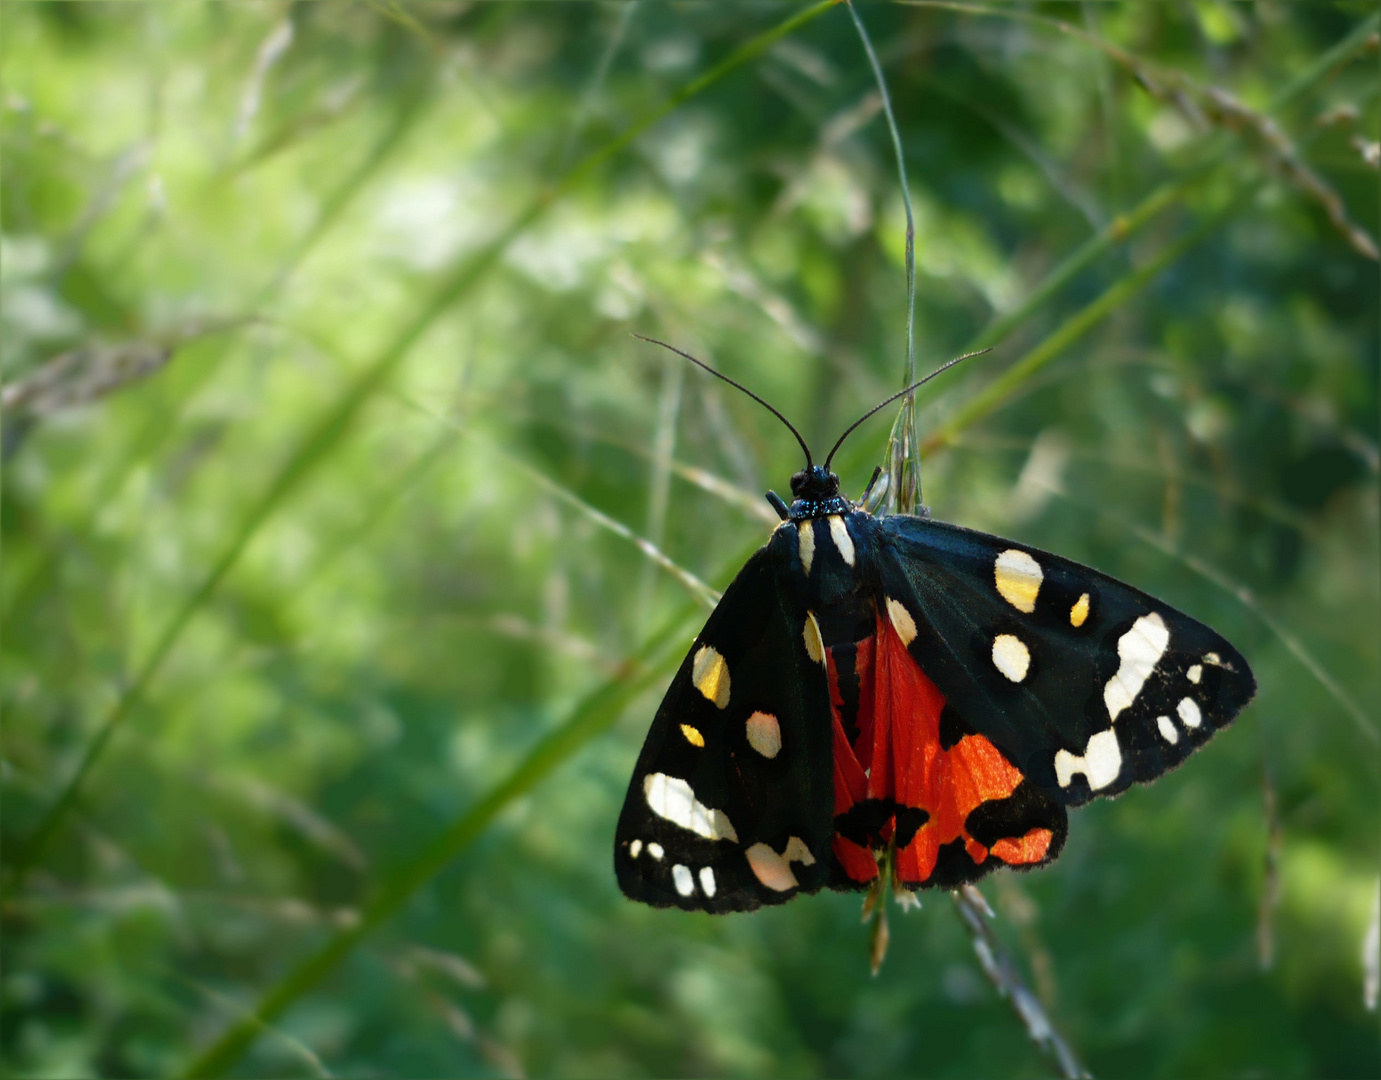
{"x":897,"y":694}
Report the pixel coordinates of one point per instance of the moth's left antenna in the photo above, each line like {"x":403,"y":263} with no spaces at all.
{"x":700,"y":363}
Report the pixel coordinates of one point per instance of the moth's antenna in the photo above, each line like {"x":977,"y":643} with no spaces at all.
{"x":700,"y":363}
{"x":900,"y":393}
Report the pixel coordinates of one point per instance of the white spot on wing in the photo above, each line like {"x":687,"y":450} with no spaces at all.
{"x":805,"y":544}
{"x":1100,"y":762}
{"x":902,"y":622}
{"x":707,"y":880}
{"x":635,"y":849}
{"x":1195,"y":673}
{"x":1167,"y":730}
{"x":1018,"y":578}
{"x":839,"y":533}
{"x":1011,"y":656}
{"x":681,"y":876}
{"x":796,"y":851}
{"x":655,"y":850}
{"x":765,"y":734}
{"x":770,"y":868}
{"x":1189,"y":712}
{"x":710,"y":675}
{"x":815,"y":644}
{"x":673,"y":800}
{"x":1140,"y":650}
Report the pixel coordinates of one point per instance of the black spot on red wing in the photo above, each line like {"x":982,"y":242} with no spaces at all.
{"x":1012,"y":818}
{"x":953,"y":867}
{"x":909,"y":820}
{"x":862,"y":823}
{"x":953,"y":727}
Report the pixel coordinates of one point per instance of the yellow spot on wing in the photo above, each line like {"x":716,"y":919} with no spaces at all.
{"x":710,"y":675}
{"x":692,"y":735}
{"x":815,"y":644}
{"x":902,"y":622}
{"x":805,"y":544}
{"x":1018,"y":578}
{"x":1079,"y":612}
{"x":796,"y":851}
{"x":839,"y":533}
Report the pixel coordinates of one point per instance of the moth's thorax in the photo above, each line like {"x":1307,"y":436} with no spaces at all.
{"x":815,"y":494}
{"x":828,"y":557}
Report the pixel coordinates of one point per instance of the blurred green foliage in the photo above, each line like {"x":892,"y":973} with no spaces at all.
{"x":320,"y":397}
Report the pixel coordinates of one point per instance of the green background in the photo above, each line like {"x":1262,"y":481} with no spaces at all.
{"x":326,"y":445}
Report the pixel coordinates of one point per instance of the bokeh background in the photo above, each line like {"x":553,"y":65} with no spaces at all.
{"x":350,"y":539}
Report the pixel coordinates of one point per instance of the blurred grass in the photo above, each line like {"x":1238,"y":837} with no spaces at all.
{"x":312,"y":783}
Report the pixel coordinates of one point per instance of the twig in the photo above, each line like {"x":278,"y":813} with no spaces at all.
{"x":1002,"y":972}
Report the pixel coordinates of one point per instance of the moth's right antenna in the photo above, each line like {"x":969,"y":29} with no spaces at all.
{"x":900,"y":393}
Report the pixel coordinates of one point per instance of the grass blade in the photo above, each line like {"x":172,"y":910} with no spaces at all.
{"x":996,"y":393}
{"x":330,"y":429}
{"x":595,"y":713}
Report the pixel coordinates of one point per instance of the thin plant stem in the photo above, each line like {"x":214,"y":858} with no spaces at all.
{"x":904,"y":460}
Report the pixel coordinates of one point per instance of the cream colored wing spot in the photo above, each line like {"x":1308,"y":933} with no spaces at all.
{"x":765,"y":734}
{"x":1100,"y":762}
{"x":710,"y":675}
{"x":673,"y":800}
{"x":1190,"y":716}
{"x":1140,"y":650}
{"x":635,"y":849}
{"x":1018,"y":578}
{"x":692,"y":735}
{"x":681,"y":876}
{"x":1011,"y":656}
{"x":770,"y":868}
{"x":707,"y":881}
{"x":901,"y":620}
{"x":1195,"y":673}
{"x":805,"y":544}
{"x":1167,"y":729}
{"x":1078,"y":614}
{"x":655,"y":850}
{"x":773,"y":870}
{"x":796,"y":851}
{"x":815,"y":644}
{"x":839,"y":533}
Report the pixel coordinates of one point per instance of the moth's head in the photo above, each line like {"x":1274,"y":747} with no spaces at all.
{"x":815,"y":483}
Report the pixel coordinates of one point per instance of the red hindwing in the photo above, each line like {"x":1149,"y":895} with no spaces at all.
{"x":897,"y":758}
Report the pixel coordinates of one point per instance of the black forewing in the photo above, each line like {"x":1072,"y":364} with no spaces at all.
{"x":758,"y":630}
{"x":945,"y":577}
